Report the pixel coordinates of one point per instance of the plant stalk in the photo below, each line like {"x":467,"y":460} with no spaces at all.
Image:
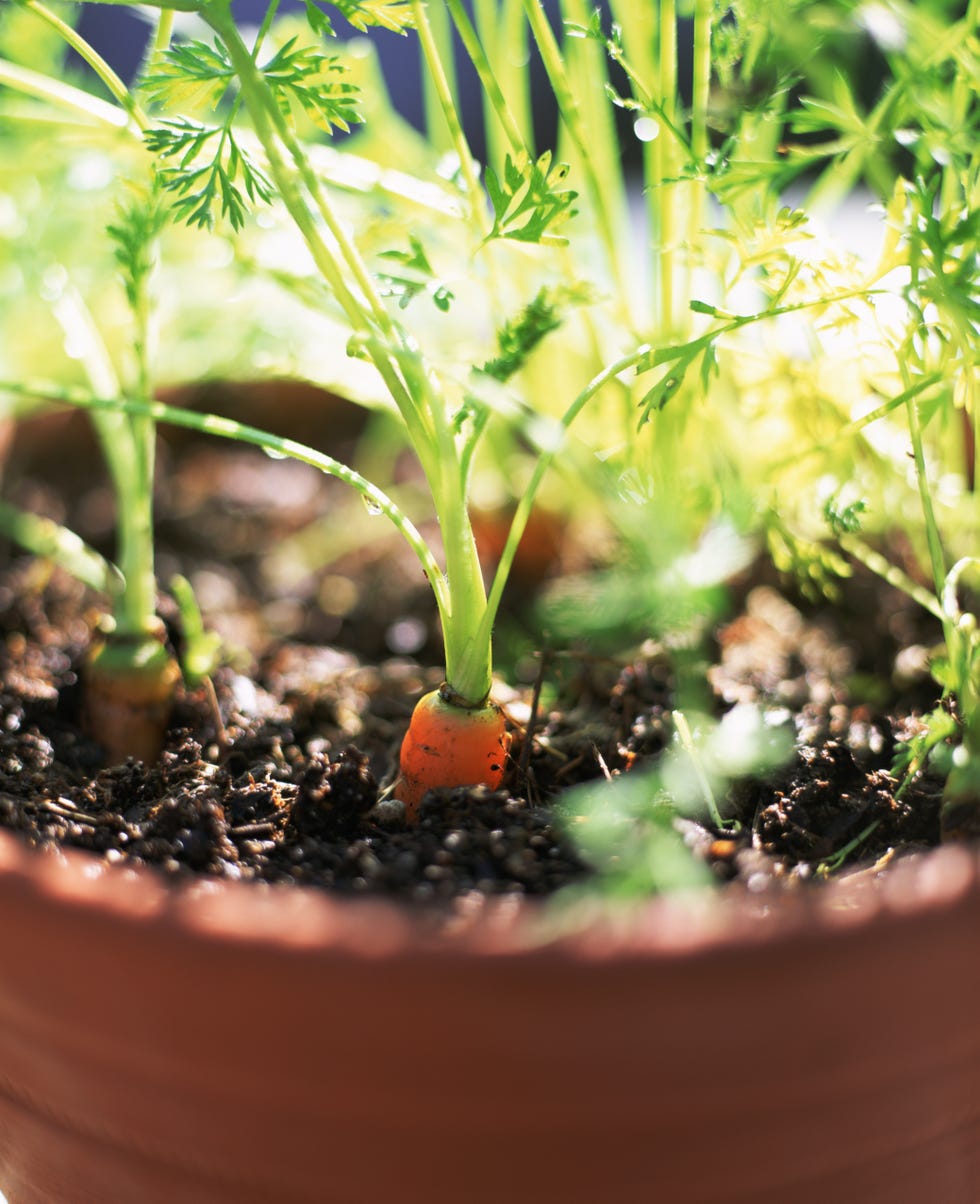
{"x":568,"y":106}
{"x":443,"y":93}
{"x":91,"y":56}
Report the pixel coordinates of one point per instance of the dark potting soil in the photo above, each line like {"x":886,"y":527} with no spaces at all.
{"x":286,"y":782}
{"x":287,"y":785}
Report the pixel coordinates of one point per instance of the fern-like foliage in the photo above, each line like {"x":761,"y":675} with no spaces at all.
{"x":204,"y":164}
{"x":518,"y":336}
{"x":816,"y":568}
{"x":210,"y":171}
{"x":394,"y":15}
{"x":313,"y":81}
{"x":190,"y":75}
{"x":410,"y":275}
{"x":133,"y":233}
{"x":529,"y":201}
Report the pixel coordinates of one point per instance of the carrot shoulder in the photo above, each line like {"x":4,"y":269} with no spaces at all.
{"x":450,"y":745}
{"x":129,"y":686}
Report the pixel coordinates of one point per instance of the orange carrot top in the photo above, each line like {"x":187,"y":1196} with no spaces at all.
{"x":448,"y":744}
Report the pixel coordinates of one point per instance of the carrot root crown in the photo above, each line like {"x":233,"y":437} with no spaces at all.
{"x":448,"y":744}
{"x":129,"y":687}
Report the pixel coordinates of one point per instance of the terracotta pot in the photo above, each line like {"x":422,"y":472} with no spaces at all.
{"x":224,"y":1043}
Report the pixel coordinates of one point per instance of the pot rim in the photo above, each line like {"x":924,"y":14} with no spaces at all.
{"x":306,"y":920}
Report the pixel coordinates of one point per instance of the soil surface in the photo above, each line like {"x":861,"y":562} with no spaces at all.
{"x":280,"y":775}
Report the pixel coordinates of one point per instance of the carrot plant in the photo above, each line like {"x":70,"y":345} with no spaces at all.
{"x":551,"y":285}
{"x":520,"y":212}
{"x":130,"y":677}
{"x":937,"y":226}
{"x":457,"y":735}
{"x":901,"y":435}
{"x":861,"y":383}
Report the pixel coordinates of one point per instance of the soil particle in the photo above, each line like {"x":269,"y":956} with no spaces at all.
{"x":828,"y":799}
{"x":333,"y":796}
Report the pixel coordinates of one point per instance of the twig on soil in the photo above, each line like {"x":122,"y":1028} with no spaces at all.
{"x":543,"y":660}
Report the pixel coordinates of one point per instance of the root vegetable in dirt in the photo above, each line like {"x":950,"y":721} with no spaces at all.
{"x":450,"y":744}
{"x":130,"y":677}
{"x":444,"y":436}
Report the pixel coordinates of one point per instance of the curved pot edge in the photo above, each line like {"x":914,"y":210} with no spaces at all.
{"x":305,"y":919}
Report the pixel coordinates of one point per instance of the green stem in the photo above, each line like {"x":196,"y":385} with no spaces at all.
{"x":158,"y":44}
{"x":467,"y":640}
{"x":443,"y":93}
{"x":700,"y":145}
{"x":271,"y":129}
{"x":135,"y":607}
{"x":263,"y":111}
{"x":588,"y":72}
{"x":164,"y":32}
{"x":136,"y":535}
{"x":128,"y":447}
{"x":668,"y":162}
{"x":270,"y":15}
{"x":446,"y":466}
{"x":74,"y":318}
{"x":47,"y":539}
{"x":227,"y":428}
{"x":937,"y":557}
{"x":459,"y":593}
{"x":91,"y":56}
{"x":542,"y":464}
{"x":891,"y":573}
{"x":512,"y":71}
{"x":437,"y":19}
{"x":33,"y":83}
{"x":494,"y":100}
{"x":640,"y":40}
{"x":571,"y":115}
{"x":688,"y":743}
{"x":911,"y":353}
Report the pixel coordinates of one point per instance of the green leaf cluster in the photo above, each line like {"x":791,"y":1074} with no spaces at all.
{"x":205,"y":164}
{"x":413,"y":277}
{"x":844,"y":518}
{"x":134,"y":233}
{"x":302,"y":75}
{"x":210,"y":171}
{"x":393,"y":15}
{"x":629,"y":828}
{"x":518,"y":336}
{"x":816,"y":568}
{"x":529,"y":200}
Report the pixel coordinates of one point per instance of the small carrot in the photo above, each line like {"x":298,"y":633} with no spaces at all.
{"x":129,"y":685}
{"x":450,"y":744}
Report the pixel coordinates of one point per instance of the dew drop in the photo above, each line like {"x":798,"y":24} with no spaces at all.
{"x":646,"y":129}
{"x":371,"y":506}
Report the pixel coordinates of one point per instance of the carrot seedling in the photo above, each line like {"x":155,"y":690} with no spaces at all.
{"x":457,"y":736}
{"x":227,"y":120}
{"x":213,"y":167}
{"x":130,"y":676}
